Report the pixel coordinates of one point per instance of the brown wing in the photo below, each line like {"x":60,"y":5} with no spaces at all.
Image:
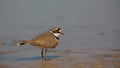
{"x":45,"y":40}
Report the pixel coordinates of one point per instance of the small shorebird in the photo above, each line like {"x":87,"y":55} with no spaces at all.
{"x":45,"y":40}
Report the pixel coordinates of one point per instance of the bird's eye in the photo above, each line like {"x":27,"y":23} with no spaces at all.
{"x":58,"y":28}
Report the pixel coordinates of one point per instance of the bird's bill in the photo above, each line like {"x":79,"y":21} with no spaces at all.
{"x":62,"y":33}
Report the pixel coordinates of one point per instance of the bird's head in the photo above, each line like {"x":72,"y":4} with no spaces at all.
{"x":56,"y":31}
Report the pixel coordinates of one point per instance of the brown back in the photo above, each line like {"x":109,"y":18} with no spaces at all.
{"x":45,"y":40}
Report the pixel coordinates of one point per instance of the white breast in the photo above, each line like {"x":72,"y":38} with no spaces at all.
{"x":57,"y":34}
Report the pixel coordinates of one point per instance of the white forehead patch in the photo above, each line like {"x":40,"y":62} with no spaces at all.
{"x":60,"y":30}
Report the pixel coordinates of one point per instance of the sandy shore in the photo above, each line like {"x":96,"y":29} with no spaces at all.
{"x":79,"y":58}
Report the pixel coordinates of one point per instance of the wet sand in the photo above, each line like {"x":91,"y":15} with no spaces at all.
{"x":79,"y":58}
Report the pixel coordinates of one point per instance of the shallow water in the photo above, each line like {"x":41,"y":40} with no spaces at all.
{"x":63,"y":58}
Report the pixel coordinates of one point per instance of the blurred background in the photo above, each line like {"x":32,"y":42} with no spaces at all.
{"x":86,"y":23}
{"x":91,"y":28}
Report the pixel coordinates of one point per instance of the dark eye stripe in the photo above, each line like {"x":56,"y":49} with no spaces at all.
{"x":58,"y":28}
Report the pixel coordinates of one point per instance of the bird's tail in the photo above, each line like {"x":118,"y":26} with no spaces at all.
{"x":22,"y":42}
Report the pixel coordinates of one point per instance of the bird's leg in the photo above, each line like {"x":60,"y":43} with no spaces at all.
{"x":42,"y":53}
{"x":46,"y":54}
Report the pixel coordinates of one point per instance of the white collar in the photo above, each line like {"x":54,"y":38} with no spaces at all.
{"x":56,"y":34}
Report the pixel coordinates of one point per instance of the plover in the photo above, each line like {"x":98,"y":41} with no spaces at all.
{"x":45,"y":40}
